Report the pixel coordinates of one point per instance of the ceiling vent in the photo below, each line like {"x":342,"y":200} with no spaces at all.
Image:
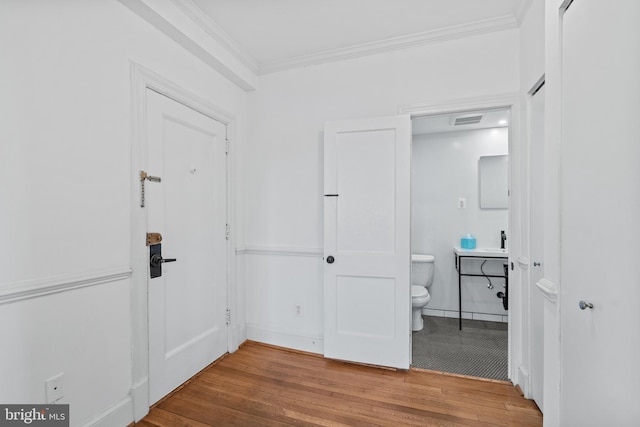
{"x":466,"y":120}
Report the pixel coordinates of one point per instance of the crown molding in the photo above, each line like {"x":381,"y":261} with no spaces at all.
{"x":174,"y":19}
{"x":392,"y":44}
{"x":186,"y":23}
{"x":198,"y":16}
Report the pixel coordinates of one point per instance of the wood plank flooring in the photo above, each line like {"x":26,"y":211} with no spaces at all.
{"x":261,"y":385}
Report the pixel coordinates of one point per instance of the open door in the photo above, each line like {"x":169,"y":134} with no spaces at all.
{"x":367,"y":251}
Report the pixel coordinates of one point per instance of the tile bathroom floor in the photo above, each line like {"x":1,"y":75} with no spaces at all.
{"x":480,"y":349}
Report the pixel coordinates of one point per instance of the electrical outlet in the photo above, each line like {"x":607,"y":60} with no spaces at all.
{"x":462,"y":203}
{"x":54,"y":389}
{"x":298,"y":310}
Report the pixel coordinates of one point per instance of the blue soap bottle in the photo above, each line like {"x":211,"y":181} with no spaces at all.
{"x":468,"y":242}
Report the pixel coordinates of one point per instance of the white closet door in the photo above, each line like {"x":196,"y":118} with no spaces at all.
{"x":600,"y":214}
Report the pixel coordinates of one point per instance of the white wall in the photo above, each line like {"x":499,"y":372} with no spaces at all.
{"x":445,"y":168}
{"x":283,"y":179}
{"x":65,"y":186}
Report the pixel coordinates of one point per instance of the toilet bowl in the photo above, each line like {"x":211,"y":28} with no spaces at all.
{"x":422,"y":267}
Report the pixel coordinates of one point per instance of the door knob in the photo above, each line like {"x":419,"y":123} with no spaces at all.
{"x":536,"y":264}
{"x":584,"y":304}
{"x":330,"y":259}
{"x":156,"y":260}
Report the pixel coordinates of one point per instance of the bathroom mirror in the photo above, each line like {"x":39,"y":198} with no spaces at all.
{"x":493,"y":182}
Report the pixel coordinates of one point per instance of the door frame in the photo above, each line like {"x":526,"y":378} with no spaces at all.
{"x":516,"y":325}
{"x":531,"y":287}
{"x":143,"y":79}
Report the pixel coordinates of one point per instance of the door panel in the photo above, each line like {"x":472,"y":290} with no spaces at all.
{"x":366,"y":217}
{"x":367,"y":231}
{"x":187,"y":304}
{"x":600,"y":208}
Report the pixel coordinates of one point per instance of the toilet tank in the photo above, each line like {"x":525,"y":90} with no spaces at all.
{"x":422,"y":269}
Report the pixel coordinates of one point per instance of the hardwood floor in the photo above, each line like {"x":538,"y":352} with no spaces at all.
{"x":261,"y":385}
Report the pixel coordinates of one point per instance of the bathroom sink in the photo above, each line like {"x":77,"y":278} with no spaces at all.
{"x":482,"y":252}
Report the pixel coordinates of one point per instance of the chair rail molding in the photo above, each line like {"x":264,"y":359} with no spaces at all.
{"x":280,"y":250}
{"x":548,"y":289}
{"x":21,"y":290}
{"x":523,"y":262}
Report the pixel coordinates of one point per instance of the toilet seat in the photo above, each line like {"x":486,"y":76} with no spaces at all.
{"x":419,"y":291}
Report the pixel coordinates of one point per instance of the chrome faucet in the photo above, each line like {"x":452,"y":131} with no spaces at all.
{"x":503,"y":238}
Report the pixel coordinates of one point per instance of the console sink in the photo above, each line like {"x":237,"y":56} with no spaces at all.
{"x":482,"y":252}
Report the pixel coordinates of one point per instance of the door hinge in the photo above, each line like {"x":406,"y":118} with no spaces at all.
{"x":228,"y":231}
{"x":228,"y":316}
{"x":226,"y":147}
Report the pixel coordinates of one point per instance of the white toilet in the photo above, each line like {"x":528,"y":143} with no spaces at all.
{"x":421,"y":279}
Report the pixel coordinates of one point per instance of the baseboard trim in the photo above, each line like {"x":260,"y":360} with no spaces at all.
{"x":308,"y":343}
{"x":119,"y":414}
{"x":238,"y":335}
{"x":489,"y":317}
{"x":140,"y":399}
{"x":523,"y":381}
{"x":26,"y":289}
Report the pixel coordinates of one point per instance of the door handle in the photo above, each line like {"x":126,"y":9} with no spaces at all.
{"x":156,"y":260}
{"x":330,"y":259}
{"x":584,"y":304}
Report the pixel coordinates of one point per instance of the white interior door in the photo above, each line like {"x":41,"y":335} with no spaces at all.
{"x":367,"y":234}
{"x":536,"y":252}
{"x":600,"y":214}
{"x":187,"y":305}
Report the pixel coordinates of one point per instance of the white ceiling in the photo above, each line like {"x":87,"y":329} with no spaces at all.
{"x":269,"y":31}
{"x":443,"y":122}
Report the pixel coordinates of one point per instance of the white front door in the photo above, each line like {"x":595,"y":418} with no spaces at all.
{"x":367,"y":255}
{"x":536,"y":254}
{"x":187,"y":305}
{"x":600,"y":214}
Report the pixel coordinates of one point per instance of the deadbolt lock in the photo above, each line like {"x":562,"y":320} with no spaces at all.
{"x":153,"y":238}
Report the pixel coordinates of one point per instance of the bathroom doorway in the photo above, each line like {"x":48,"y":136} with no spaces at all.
{"x":452,"y":158}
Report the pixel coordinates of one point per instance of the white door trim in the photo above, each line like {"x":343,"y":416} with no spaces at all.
{"x":141,"y":80}
{"x":517,"y":325}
